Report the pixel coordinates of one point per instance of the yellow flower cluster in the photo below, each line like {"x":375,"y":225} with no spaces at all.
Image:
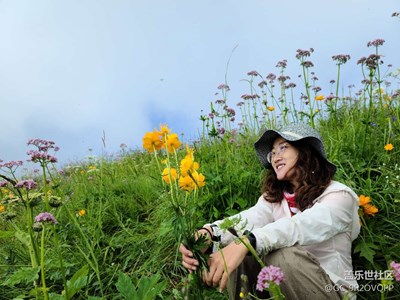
{"x":161,"y":139}
{"x":366,"y":207}
{"x":189,"y":178}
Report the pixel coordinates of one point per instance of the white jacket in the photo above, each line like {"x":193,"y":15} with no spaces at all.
{"x":326,"y":230}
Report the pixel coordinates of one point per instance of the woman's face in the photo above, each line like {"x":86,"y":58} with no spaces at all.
{"x":283,"y":159}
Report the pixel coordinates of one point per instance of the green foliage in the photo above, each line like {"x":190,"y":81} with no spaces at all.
{"x":146,"y":288}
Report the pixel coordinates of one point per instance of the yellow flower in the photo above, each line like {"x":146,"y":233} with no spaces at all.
{"x":199,"y":179}
{"x":363,"y":200}
{"x":389,"y":147}
{"x":370,"y":209}
{"x":241,"y":295}
{"x":92,"y":167}
{"x":188,"y":165}
{"x":319,"y":97}
{"x":317,"y":110}
{"x":152,"y":141}
{"x":270,"y":108}
{"x":2,"y":208}
{"x":172,"y":142}
{"x":164,"y":130}
{"x":168,"y":174}
{"x":367,"y":208}
{"x":82,"y":212}
{"x":186,"y":183}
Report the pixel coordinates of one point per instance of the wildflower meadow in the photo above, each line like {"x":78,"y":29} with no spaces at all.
{"x":110,"y":228}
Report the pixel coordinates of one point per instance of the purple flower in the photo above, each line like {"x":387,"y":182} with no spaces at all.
{"x":376,"y":43}
{"x":396,"y":270}
{"x":223,"y":87}
{"x":253,"y":73}
{"x":37,"y":156}
{"x":281,"y":64}
{"x":267,"y":275}
{"x":45,"y":217}
{"x":341,"y":58}
{"x":11,"y":164}
{"x":3,"y":183}
{"x":28,"y":184}
{"x":303,"y":53}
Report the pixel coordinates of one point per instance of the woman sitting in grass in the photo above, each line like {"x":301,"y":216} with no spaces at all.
{"x":304,"y":223}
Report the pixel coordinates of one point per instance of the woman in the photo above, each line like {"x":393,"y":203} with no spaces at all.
{"x":304,"y":222}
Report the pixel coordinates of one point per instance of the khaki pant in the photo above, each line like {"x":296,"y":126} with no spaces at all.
{"x":304,"y":277}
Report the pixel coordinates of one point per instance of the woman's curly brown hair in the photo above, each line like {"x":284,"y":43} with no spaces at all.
{"x":311,"y":170}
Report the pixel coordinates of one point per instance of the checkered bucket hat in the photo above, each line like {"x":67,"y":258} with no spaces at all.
{"x":292,"y":133}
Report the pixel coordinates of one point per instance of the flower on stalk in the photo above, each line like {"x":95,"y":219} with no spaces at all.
{"x":45,"y":217}
{"x":270,"y":108}
{"x":396,"y":270}
{"x":267,"y":275}
{"x":11,"y":164}
{"x":191,"y":182}
{"x":172,"y":142}
{"x":26,"y":184}
{"x":164,"y":130}
{"x":152,"y":141}
{"x":319,"y":98}
{"x":389,"y":147}
{"x":169,"y":174}
{"x":188,"y":165}
{"x":367,"y":208}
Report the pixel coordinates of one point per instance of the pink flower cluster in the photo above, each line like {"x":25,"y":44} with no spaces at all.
{"x":27,"y":184}
{"x":45,"y":217}
{"x":41,"y":154}
{"x":267,"y":275}
{"x":396,"y":270}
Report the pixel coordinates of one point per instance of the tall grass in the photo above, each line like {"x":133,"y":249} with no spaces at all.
{"x":114,"y":237}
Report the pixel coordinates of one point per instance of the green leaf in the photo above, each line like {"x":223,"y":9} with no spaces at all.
{"x":366,"y":251}
{"x":77,"y":281}
{"x":6,"y":234}
{"x":24,"y":275}
{"x":23,"y":237}
{"x":125,"y":287}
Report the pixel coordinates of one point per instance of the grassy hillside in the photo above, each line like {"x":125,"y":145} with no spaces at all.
{"x":117,"y":222}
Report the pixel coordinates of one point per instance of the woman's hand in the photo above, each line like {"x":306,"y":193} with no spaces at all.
{"x":223,"y":264}
{"x":188,"y":261}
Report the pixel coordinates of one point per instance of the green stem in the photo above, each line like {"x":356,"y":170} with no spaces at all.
{"x":45,"y":186}
{"x":32,"y":247}
{"x":42,"y":272}
{"x":61,"y":261}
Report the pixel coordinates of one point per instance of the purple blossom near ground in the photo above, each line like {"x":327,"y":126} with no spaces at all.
{"x":396,"y":270}
{"x":3,"y":183}
{"x":45,"y":217}
{"x":267,"y":275}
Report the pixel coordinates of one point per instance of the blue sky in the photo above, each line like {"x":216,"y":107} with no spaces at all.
{"x":75,"y":71}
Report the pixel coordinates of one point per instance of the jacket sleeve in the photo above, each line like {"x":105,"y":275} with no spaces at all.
{"x":333,"y":213}
{"x":256,"y":216}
